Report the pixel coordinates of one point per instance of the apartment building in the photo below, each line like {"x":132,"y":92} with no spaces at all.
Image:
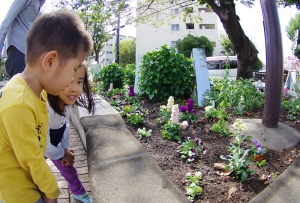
{"x":108,"y":54}
{"x":149,"y":38}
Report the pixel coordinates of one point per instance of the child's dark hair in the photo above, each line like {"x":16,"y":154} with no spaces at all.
{"x":62,"y":31}
{"x":86,"y":100}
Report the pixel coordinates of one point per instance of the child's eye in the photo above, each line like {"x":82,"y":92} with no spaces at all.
{"x":80,"y":82}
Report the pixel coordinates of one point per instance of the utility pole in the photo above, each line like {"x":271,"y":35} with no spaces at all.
{"x":274,"y":64}
{"x":118,"y":38}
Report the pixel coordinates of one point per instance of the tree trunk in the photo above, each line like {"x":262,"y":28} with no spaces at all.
{"x":97,"y":56}
{"x":245,"y":49}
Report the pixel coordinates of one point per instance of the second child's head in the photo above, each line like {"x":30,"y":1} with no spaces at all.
{"x":72,"y":93}
{"x":56,"y":45}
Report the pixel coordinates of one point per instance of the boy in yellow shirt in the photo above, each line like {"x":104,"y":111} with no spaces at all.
{"x":56,"y":45}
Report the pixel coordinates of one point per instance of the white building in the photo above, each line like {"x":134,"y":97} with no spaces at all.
{"x":108,"y":54}
{"x":149,"y":38}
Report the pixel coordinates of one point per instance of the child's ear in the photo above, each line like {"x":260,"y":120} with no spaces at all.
{"x":49,"y":60}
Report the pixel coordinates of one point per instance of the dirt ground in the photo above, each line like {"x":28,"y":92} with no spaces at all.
{"x":215,"y":187}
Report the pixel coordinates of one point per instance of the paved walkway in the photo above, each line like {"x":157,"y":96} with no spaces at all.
{"x":80,"y":165}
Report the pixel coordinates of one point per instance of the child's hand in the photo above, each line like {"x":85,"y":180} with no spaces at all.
{"x":46,"y":199}
{"x":68,"y":159}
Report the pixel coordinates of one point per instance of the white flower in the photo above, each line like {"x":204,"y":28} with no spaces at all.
{"x":208,"y":108}
{"x":184,"y":124}
{"x":189,"y":191}
{"x":170,"y":103}
{"x":190,"y":159}
{"x":193,"y":185}
{"x":175,"y":114}
{"x":163,"y":107}
{"x":110,"y":87}
{"x":191,"y":153}
{"x":238,"y":126}
{"x":198,"y":174}
{"x":188,"y":174}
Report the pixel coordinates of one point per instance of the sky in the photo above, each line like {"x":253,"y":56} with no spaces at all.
{"x":251,"y":21}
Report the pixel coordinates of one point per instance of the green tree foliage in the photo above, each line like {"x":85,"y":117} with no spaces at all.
{"x":97,"y":16}
{"x":286,"y":3}
{"x":127,"y":52}
{"x":227,"y":46}
{"x":165,"y":73}
{"x":186,"y":45}
{"x":293,"y":31}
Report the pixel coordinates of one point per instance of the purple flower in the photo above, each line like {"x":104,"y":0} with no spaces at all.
{"x":131,"y":94}
{"x":258,"y":150}
{"x":257,"y":143}
{"x":183,"y":109}
{"x":194,"y":111}
{"x":131,"y":91}
{"x":113,"y":98}
{"x":190,"y":105}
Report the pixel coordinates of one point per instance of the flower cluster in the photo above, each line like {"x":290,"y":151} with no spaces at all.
{"x":193,"y":189}
{"x":175,"y":114}
{"x":257,"y":148}
{"x":291,"y":63}
{"x":170,"y":103}
{"x":190,"y":149}
{"x":131,"y":91}
{"x":189,"y":107}
{"x":110,"y":87}
{"x":188,"y":112}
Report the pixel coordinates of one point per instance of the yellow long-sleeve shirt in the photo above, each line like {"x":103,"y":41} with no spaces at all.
{"x":23,"y":128}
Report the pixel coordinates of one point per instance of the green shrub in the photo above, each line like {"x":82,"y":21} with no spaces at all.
{"x":164,"y":73}
{"x":129,"y":74}
{"x":111,"y":74}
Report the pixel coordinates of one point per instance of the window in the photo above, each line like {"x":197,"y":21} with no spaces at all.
{"x":174,"y":11}
{"x":173,"y":43}
{"x":109,"y":52}
{"x":189,"y":25}
{"x":175,"y":27}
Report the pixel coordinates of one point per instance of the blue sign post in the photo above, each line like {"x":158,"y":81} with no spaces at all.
{"x":201,"y":73}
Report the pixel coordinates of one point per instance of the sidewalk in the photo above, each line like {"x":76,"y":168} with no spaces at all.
{"x":80,"y":165}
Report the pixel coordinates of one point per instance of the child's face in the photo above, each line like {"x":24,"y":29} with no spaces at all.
{"x":73,"y":91}
{"x":64,"y":75}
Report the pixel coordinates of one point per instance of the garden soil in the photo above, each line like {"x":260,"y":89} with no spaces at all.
{"x":216,"y":188}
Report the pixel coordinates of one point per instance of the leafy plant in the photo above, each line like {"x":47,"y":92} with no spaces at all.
{"x":193,"y":189}
{"x":257,"y":152}
{"x":190,"y":149}
{"x":165,"y":72}
{"x":165,"y":111}
{"x":129,"y":74}
{"x":130,"y":95}
{"x":172,"y":131}
{"x":111,"y":74}
{"x":239,"y":160}
{"x":114,"y":102}
{"x":135,"y":118}
{"x":240,"y":108}
{"x":143,"y":133}
{"x":220,"y":127}
{"x":126,"y":110}
{"x":211,"y":112}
